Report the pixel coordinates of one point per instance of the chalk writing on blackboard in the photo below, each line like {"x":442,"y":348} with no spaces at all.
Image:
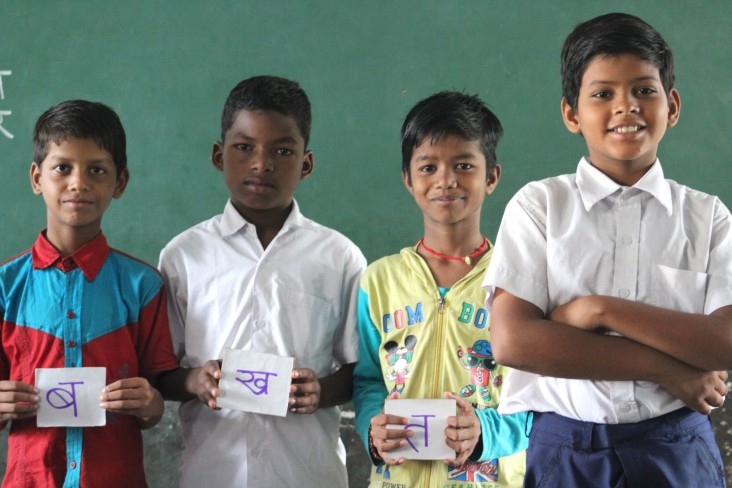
{"x":3,"y":112}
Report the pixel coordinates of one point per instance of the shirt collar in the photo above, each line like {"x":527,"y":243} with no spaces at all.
{"x":89,"y":258}
{"x":594,"y":185}
{"x":232,"y":221}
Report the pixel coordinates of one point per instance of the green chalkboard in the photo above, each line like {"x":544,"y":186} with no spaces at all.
{"x":166,"y":67}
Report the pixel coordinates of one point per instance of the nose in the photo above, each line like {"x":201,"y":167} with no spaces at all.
{"x":626,"y":103}
{"x":78,"y":181}
{"x":261,"y":162}
{"x":446,"y":178}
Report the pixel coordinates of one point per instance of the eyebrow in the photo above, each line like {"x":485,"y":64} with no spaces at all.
{"x":634,"y":80}
{"x":465,"y":155}
{"x":281,"y":140}
{"x":63,"y":159}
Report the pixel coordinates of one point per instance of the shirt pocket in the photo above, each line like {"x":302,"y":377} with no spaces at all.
{"x":678,"y":289}
{"x":309,"y":321}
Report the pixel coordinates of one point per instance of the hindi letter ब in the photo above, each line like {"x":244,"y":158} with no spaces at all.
{"x":69,"y":397}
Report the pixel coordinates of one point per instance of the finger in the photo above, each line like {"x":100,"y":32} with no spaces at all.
{"x":121,"y":405}
{"x":17,"y":386}
{"x":303,"y":375}
{"x":394,"y":396}
{"x":212,"y":368}
{"x":126,"y":383}
{"x":14,"y":397}
{"x":456,"y":461}
{"x":18,"y":408}
{"x":311,"y":387}
{"x":6,"y":416}
{"x":303,"y":410}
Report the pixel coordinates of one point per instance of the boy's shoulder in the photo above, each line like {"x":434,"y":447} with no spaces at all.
{"x":396,"y":267}
{"x":131,"y":265}
{"x":322,"y":231}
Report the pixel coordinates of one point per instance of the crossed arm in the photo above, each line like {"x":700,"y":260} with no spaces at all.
{"x":687,"y":354}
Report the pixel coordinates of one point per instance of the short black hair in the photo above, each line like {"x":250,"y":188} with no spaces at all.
{"x":81,"y":119}
{"x":612,"y":35}
{"x":451,"y":113}
{"x":268,"y":93}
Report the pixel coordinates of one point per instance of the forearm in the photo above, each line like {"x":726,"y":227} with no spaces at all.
{"x":703,"y":341}
{"x":337,"y":388}
{"x":176,"y":385}
{"x":523,"y":339}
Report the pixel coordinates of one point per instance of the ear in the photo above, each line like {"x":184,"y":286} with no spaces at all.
{"x":407,"y":179}
{"x":217,"y":155}
{"x":492,"y":180}
{"x":569,"y":115}
{"x":674,"y":107}
{"x":308,"y":165}
{"x":35,"y":178}
{"x":122,"y":179}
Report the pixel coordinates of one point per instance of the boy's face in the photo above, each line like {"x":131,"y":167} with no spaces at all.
{"x":622,"y":113}
{"x":448,"y":180}
{"x":263,"y":159}
{"x":77,"y":180}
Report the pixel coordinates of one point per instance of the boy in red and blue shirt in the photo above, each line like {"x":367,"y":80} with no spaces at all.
{"x":72,"y":301}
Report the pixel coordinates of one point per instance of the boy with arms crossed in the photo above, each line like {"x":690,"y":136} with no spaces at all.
{"x":442,"y":344}
{"x":263,"y":277}
{"x":71,"y":301}
{"x":611,"y":288}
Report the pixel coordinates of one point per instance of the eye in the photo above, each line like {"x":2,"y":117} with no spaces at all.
{"x":61,"y":168}
{"x":464,"y":166}
{"x":97,"y":170}
{"x":646,"y":91}
{"x":601,"y":94}
{"x":426,"y":168}
{"x":283,"y":151}
{"x":243,"y":147}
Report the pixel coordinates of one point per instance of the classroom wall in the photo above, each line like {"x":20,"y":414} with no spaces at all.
{"x":166,"y":67}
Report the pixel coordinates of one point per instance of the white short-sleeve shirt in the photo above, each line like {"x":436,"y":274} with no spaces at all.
{"x":656,"y":242}
{"x":295,"y":298}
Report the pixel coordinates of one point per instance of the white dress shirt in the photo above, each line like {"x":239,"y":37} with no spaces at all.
{"x":295,"y":298}
{"x":656,"y":242}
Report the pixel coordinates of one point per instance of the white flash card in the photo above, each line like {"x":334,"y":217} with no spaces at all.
{"x":70,"y":397}
{"x":427,"y":420}
{"x":255,"y":382}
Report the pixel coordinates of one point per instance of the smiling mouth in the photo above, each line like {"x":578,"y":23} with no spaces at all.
{"x":626,"y":129}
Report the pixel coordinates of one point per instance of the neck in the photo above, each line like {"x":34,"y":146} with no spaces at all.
{"x":454,"y":240}
{"x":268,"y":222}
{"x":69,"y":241}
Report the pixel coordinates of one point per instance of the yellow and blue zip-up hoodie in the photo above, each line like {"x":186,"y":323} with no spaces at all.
{"x":421,"y":341}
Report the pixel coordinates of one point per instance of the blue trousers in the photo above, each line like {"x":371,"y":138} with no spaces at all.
{"x":675,"y":450}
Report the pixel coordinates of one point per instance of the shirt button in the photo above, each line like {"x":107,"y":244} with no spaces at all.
{"x":627,"y":240}
{"x":73,"y":465}
{"x":72,"y":344}
{"x":70,"y":314}
{"x":623,"y":293}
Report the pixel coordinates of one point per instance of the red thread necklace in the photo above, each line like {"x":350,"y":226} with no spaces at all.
{"x":468,"y":259}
